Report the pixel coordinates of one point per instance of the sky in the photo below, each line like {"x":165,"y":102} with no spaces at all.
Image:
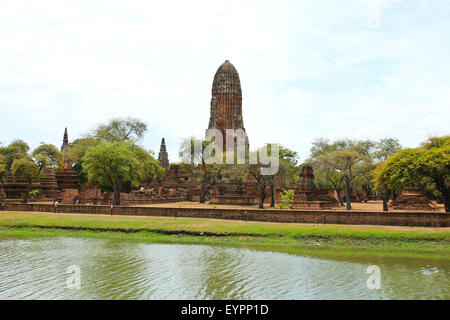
{"x":308,"y":69}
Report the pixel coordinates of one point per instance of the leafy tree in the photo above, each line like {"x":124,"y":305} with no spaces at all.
{"x":3,"y":172}
{"x":25,"y":169}
{"x":341,"y":162}
{"x":77,"y":150}
{"x":53,"y":156}
{"x":120,"y":129}
{"x":116,"y":130}
{"x":384,"y":149}
{"x":351,"y":164}
{"x":114,"y":165}
{"x":286,"y":172}
{"x":150,"y":168}
{"x":208,"y":174}
{"x":17,"y":149}
{"x":429,"y":165}
{"x":254,"y":171}
{"x":387,"y":187}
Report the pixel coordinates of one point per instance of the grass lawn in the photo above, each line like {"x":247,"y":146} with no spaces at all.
{"x":316,"y":240}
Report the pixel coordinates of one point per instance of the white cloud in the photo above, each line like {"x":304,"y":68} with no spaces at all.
{"x":308,"y":69}
{"x":432,"y":125}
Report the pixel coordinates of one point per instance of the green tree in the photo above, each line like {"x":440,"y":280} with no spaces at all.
{"x":384,"y":149}
{"x":198,"y":167}
{"x":387,"y":187}
{"x":254,"y":171}
{"x":54,"y":157}
{"x":113,"y":165}
{"x":341,"y":163}
{"x":25,"y":169}
{"x":3,"y":172}
{"x":288,"y":160}
{"x":77,"y":150}
{"x":428,"y":164}
{"x":120,"y":129}
{"x":17,"y":149}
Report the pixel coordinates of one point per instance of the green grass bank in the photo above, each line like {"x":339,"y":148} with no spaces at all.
{"x":307,"y":239}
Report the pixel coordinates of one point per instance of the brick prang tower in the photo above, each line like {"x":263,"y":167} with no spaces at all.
{"x":226,"y":102}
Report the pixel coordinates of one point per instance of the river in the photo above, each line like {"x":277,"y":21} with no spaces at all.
{"x":113,"y":269}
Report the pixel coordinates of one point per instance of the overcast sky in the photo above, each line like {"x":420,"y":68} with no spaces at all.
{"x":309,"y":69}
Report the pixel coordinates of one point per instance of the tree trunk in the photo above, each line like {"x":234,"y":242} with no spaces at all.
{"x":338,"y":192}
{"x":25,"y":197}
{"x":116,"y":198}
{"x":385,"y":203}
{"x":272,"y":196}
{"x":446,"y":196}
{"x":202,"y":195}
{"x":347,"y":194}
{"x":368,"y":192}
{"x":262,"y":198}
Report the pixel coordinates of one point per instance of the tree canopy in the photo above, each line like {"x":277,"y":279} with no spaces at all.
{"x":113,"y":165}
{"x":426,"y":165}
{"x":120,"y":129}
{"x":28,"y":170}
{"x":17,"y":149}
{"x":49,"y":154}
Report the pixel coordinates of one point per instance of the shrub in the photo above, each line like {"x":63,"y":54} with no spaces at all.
{"x":287,"y":197}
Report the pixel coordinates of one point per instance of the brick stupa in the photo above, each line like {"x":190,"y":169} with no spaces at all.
{"x":66,"y":178}
{"x":413,"y":199}
{"x":49,"y":184}
{"x":163,"y":156}
{"x":306,"y":195}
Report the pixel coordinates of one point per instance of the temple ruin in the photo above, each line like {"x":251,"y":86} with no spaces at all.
{"x":226,"y":105}
{"x":412,"y":199}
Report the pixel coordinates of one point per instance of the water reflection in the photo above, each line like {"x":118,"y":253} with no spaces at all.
{"x":113,"y":269}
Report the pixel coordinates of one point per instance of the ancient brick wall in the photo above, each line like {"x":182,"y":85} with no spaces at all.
{"x":422,"y":219}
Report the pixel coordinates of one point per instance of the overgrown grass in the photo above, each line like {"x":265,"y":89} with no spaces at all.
{"x":315,"y":240}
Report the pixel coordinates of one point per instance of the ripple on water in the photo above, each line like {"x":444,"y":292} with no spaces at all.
{"x":112,"y":269}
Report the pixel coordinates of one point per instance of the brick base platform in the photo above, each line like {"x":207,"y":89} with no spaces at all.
{"x":413,"y":219}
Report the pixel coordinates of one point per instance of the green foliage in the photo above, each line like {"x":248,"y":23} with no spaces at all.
{"x":287,"y":197}
{"x":386,"y":148}
{"x":120,"y":129}
{"x":17,"y":149}
{"x":198,"y":168}
{"x":3,"y":172}
{"x":78,"y":149}
{"x":149,"y":168}
{"x":114,"y":165}
{"x":50,"y":155}
{"x":34,"y":192}
{"x":427,"y":165}
{"x":436,"y":142}
{"x":25,"y":169}
{"x":343,"y":163}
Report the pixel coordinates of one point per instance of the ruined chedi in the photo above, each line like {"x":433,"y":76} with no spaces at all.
{"x":226,"y":103}
{"x":67,"y":178}
{"x":49,"y":184}
{"x":163,"y":156}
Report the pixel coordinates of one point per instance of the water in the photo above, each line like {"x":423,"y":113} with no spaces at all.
{"x":113,"y":269}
